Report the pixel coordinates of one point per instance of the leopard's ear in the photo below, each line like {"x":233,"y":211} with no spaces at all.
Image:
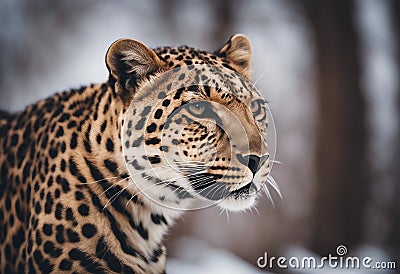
{"x":127,"y":60}
{"x":238,"y":51}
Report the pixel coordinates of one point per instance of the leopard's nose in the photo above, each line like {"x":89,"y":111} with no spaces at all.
{"x":251,"y":161}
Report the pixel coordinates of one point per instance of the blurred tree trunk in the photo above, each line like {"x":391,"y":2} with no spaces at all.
{"x":168,"y":13}
{"x":341,"y":171}
{"x":223,"y":13}
{"x":394,"y":233}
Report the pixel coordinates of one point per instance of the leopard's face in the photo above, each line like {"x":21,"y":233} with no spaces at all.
{"x":196,"y":129}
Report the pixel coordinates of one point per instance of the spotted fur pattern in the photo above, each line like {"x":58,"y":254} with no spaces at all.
{"x":61,"y":164}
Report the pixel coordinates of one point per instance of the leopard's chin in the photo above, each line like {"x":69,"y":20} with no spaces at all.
{"x":240,"y":199}
{"x":238,"y":204}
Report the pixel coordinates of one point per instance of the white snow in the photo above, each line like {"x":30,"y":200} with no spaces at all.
{"x":198,"y":257}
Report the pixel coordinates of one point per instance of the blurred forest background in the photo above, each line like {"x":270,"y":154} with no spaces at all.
{"x":330,"y":70}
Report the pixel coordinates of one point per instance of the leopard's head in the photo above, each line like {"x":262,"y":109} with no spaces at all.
{"x":195,"y":129}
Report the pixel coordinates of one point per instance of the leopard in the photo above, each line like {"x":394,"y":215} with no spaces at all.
{"x":70,"y":200}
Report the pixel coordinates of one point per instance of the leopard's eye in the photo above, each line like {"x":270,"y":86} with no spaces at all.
{"x":198,"y":108}
{"x":255,"y":107}
{"x":259,"y":110}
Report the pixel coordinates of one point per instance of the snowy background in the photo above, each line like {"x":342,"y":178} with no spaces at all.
{"x":51,"y":46}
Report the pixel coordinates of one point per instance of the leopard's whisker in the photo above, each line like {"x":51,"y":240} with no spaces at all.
{"x":184,"y":176}
{"x":224,"y":210}
{"x":182,"y":187}
{"x":184,"y":167}
{"x":111,"y":200}
{"x":142,"y":190}
{"x":258,"y":79}
{"x":274,"y":184}
{"x":98,"y":181}
{"x":151,"y":169}
{"x":256,"y":209}
{"x":165,"y":182}
{"x":117,"y":183}
{"x":276,"y":162}
{"x":227,"y":215}
{"x":113,"y":185}
{"x":268,"y":194}
{"x":206,"y":188}
{"x":189,"y":184}
{"x":193,"y":163}
{"x":115,"y":196}
{"x":114,"y":177}
{"x":215,"y":189}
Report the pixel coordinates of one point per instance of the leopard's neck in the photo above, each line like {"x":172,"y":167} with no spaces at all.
{"x":135,"y":224}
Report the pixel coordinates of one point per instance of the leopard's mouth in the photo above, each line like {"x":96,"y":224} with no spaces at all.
{"x":206,"y":185}
{"x":243,"y":192}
